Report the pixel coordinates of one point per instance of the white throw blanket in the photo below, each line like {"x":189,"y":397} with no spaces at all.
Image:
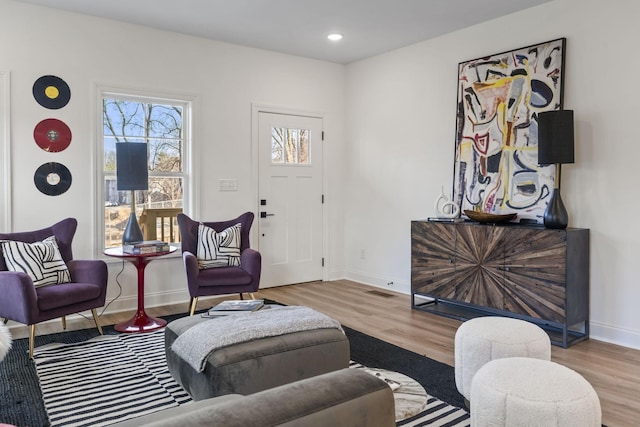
{"x":196,"y":344}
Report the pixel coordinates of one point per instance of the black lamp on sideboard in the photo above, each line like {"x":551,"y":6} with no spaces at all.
{"x":132,"y":173}
{"x":555,"y":147}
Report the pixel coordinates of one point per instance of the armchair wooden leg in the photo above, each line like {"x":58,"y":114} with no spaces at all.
{"x":97,"y":320}
{"x":32,"y":339}
{"x":194,"y":303}
{"x":251,"y":295}
{"x":64,"y":323}
{"x":5,"y":320}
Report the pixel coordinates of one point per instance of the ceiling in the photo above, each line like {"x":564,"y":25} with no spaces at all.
{"x":300,"y":27}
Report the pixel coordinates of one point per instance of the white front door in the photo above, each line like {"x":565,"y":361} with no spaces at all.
{"x":290,"y":198}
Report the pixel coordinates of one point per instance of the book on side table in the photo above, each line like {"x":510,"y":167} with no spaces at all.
{"x":146,"y":247}
{"x":226,"y":308}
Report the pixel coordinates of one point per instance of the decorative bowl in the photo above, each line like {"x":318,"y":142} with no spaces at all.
{"x":489,"y":218}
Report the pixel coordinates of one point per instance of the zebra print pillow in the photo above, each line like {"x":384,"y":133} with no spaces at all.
{"x":39,"y":260}
{"x":218,"y":249}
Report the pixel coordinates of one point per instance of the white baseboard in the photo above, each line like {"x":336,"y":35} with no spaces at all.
{"x":123,"y":304}
{"x":391,"y":284}
{"x":151,"y":299}
{"x":615,"y":335}
{"x":598,"y":331}
{"x":336,"y":275}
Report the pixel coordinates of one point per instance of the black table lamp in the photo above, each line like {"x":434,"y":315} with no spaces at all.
{"x":132,"y":173}
{"x":555,"y":147}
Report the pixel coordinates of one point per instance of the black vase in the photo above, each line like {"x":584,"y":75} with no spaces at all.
{"x":556,"y":214}
{"x":132,"y":233}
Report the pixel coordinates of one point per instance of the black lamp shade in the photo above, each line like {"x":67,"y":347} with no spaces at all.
{"x":555,"y":137}
{"x":132,"y":170}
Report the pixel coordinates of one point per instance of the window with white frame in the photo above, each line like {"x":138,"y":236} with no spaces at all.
{"x":162,"y":124}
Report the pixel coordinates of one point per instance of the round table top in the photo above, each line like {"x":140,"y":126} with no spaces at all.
{"x":119,"y":253}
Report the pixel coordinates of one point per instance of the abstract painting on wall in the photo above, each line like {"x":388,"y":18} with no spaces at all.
{"x":496,"y":152}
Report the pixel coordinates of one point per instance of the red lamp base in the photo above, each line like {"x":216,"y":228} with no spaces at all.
{"x":141,"y":322}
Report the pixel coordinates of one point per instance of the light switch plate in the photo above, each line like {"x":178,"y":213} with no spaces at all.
{"x":228,"y":185}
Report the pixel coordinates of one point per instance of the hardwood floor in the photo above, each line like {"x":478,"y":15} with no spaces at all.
{"x":614,"y":371}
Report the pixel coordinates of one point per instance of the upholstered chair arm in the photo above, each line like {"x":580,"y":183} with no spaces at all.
{"x":251,"y":262}
{"x":92,"y":271}
{"x":19,"y":300}
{"x":192,"y":268}
{"x":88,"y":271}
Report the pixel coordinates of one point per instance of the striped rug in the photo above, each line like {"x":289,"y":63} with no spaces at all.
{"x":116,"y":377}
{"x":438,"y":414}
{"x":106,"y":379}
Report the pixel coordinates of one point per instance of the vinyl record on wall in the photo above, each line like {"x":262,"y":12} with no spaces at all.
{"x":52,"y":135}
{"x":52,"y":178}
{"x":51,"y":92}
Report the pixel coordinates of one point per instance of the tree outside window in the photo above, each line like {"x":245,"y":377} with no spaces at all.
{"x":160,"y":125}
{"x":289,"y":146}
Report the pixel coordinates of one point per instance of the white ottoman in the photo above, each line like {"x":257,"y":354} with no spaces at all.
{"x":483,"y":339}
{"x":520,"y":391}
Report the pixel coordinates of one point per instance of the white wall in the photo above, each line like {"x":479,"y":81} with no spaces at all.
{"x":400,"y":115}
{"x":226,"y":79}
{"x":5,"y":149}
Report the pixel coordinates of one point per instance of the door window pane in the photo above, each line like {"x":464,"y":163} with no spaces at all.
{"x":290,"y":146}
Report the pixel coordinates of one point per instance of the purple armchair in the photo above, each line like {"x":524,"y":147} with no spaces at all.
{"x":24,"y":303}
{"x":220,"y":280}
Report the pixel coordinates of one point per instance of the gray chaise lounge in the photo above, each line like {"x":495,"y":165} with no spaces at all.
{"x":345,"y":398}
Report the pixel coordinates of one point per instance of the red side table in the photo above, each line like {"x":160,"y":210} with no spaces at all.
{"x":141,"y":321}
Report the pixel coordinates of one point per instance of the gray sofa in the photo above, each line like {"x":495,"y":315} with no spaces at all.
{"x":344,"y":398}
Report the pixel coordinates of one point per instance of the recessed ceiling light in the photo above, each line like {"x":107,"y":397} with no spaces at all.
{"x":334,"y":37}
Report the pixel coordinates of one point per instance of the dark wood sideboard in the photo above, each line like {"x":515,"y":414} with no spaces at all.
{"x":466,"y":269}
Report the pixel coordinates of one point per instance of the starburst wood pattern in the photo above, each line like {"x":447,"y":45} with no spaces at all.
{"x":529,"y":271}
